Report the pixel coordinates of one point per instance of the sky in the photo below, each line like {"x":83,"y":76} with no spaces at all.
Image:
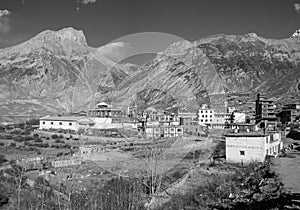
{"x":105,"y":20}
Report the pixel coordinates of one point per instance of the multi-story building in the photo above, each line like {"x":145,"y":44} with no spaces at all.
{"x":290,"y":113}
{"x":164,"y":131}
{"x":247,"y":147}
{"x":205,"y":115}
{"x":265,"y":111}
{"x":189,"y":121}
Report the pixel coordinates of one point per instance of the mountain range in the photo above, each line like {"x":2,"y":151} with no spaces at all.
{"x":57,"y":72}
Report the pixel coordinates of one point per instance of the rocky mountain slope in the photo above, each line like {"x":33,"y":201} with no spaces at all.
{"x":57,"y":72}
{"x":239,"y":65}
{"x":54,"y":72}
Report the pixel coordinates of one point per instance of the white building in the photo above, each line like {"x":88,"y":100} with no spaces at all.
{"x":164,"y":131}
{"x":239,"y":117}
{"x":205,"y":115}
{"x":65,"y":122}
{"x":247,"y":147}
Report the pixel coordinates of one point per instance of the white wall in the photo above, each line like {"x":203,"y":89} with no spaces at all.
{"x":273,"y":147}
{"x":252,"y":146}
{"x":56,"y":125}
{"x":239,"y":117}
{"x":206,"y":116}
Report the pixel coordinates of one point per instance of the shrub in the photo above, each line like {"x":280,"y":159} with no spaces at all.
{"x":35,"y":135}
{"x":13,"y":144}
{"x":33,"y":122}
{"x":59,"y":141}
{"x":61,"y":136}
{"x":18,"y":139}
{"x":8,"y":137}
{"x":2,"y":159}
{"x":25,"y":133}
{"x":16,"y":132}
{"x":54,"y":136}
{"x":67,"y":146}
{"x":38,"y":140}
{"x":2,"y":144}
{"x":59,"y":154}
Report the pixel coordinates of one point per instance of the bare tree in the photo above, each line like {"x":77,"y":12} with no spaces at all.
{"x":19,"y":178}
{"x":154,"y":157}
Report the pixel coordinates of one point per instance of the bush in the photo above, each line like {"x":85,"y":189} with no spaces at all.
{"x":2,"y":144}
{"x":61,"y":136}
{"x":59,"y":154}
{"x":9,"y":137}
{"x":67,"y":146}
{"x":35,"y":135}
{"x":54,"y":136}
{"x":16,"y":132}
{"x":13,"y":145}
{"x":59,"y":141}
{"x":25,"y":133}
{"x":38,"y":140}
{"x":33,"y":122}
{"x":2,"y":159}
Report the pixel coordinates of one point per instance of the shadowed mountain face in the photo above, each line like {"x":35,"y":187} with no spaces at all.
{"x":57,"y":72}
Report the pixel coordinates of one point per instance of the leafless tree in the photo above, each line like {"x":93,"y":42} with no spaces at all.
{"x":154,"y":157}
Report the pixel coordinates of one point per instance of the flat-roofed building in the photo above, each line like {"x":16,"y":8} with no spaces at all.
{"x":190,"y":123}
{"x":247,"y":147}
{"x":65,"y":122}
{"x":205,"y":115}
{"x":163,"y":131}
{"x":265,"y":112}
{"x":64,"y":162}
{"x":290,"y":113}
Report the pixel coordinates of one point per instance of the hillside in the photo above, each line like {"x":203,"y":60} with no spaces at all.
{"x":57,"y":72}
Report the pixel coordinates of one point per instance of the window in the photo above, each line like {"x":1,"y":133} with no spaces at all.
{"x":60,"y":123}
{"x":205,"y":111}
{"x":43,"y":122}
{"x":51,"y":123}
{"x":242,"y":152}
{"x":210,"y":116}
{"x":210,"y":111}
{"x":201,"y":111}
{"x":70,"y":124}
{"x":179,"y":130}
{"x":201,"y":120}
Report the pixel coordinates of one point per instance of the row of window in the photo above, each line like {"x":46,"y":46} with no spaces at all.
{"x":60,"y":123}
{"x":207,"y":116}
{"x":179,"y":130}
{"x":205,"y":120}
{"x":202,"y":111}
